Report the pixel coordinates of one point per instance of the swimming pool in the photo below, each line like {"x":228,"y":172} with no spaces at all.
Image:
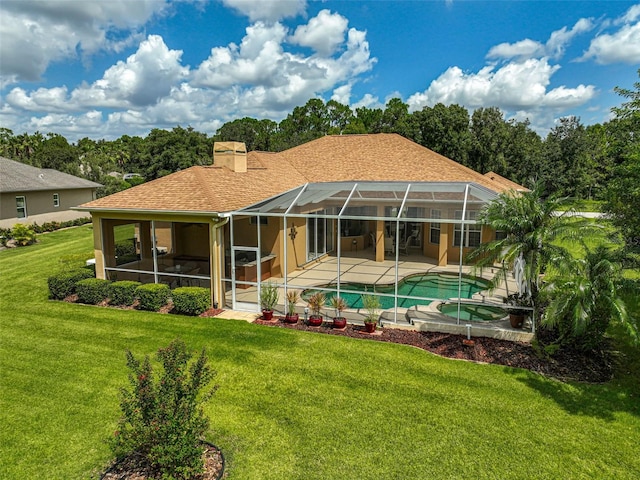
{"x":426,"y":285}
{"x":473,"y":313}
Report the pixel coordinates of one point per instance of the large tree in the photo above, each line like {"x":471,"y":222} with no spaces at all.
{"x":489,"y":141}
{"x":623,"y":193}
{"x":443,"y":129}
{"x":55,"y":152}
{"x":256,"y":134}
{"x":569,"y":166}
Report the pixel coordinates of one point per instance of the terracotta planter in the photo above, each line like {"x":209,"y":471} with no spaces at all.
{"x":339,"y":322}
{"x":370,"y":327}
{"x":267,"y":315}
{"x":516,"y":320}
{"x":315,"y":320}
{"x":293,"y":318}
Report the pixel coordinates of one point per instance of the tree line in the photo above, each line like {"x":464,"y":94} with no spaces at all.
{"x":586,"y":162}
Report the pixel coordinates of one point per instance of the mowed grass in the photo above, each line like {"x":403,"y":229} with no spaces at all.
{"x":290,"y":405}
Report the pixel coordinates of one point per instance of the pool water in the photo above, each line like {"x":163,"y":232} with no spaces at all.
{"x":427,"y":285}
{"x":473,"y":313}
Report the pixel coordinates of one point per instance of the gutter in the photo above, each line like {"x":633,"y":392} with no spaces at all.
{"x":198,"y":213}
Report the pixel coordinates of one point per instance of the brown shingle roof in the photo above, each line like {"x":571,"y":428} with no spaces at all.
{"x":19,"y":177}
{"x":505,"y":182}
{"x":374,"y":157}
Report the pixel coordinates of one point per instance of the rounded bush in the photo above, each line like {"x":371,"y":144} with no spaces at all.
{"x":92,"y":290}
{"x":63,"y":284}
{"x":191,"y":300}
{"x":152,"y":296}
{"x":123,"y":292}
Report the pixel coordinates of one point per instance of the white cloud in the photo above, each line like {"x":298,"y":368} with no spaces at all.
{"x":146,"y":76}
{"x":43,"y":99}
{"x":368,"y":101}
{"x":554,"y":47}
{"x":324,"y":33}
{"x":262,"y":76}
{"x":526,"y":48}
{"x":514,"y":86}
{"x":559,"y":39}
{"x":342,"y":94}
{"x":631,"y":15}
{"x":143,"y":79}
{"x":622,"y":46}
{"x":267,"y":10}
{"x":36,"y":33}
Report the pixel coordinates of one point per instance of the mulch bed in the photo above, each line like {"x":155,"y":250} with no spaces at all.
{"x":565,"y":365}
{"x":134,"y":467}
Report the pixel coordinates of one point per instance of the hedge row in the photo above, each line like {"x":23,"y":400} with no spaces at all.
{"x":17,"y":232}
{"x":151,"y":296}
{"x":63,"y":284}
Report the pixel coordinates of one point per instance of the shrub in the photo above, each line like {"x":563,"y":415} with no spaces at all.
{"x":92,"y":290}
{"x":23,"y":234}
{"x":153,"y":296}
{"x":123,"y":292}
{"x":191,"y":300}
{"x":5,"y":234}
{"x":162,"y":418}
{"x":125,"y":248}
{"x":63,"y":284}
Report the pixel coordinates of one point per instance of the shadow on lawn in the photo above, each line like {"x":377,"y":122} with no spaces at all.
{"x":600,"y":401}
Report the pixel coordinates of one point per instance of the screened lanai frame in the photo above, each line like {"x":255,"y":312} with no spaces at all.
{"x":369,"y":201}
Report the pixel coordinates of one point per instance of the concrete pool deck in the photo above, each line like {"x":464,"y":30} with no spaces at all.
{"x":362,"y":269}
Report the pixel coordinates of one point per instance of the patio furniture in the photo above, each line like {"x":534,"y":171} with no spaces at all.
{"x":403,"y":247}
{"x":388,"y":245}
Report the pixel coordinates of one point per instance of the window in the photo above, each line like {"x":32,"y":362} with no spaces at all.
{"x":254,"y":220}
{"x":472,"y":232}
{"x":21,"y":207}
{"x":500,"y":235}
{"x":56,"y":200}
{"x":434,"y":236}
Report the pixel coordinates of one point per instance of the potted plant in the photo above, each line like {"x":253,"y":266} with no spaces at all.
{"x":316,"y":303}
{"x":292,"y":298}
{"x":517,"y":314}
{"x":371,"y":304}
{"x":339,"y":305}
{"x":268,"y":299}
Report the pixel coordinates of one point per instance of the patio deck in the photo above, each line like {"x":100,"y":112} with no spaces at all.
{"x":359,"y":267}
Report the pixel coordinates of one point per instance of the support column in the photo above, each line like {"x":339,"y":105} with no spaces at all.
{"x":443,"y":248}
{"x":379,"y":241}
{"x":146,"y":243}
{"x":97,"y":246}
{"x":216,"y":256}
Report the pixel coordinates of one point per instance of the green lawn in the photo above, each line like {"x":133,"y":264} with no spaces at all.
{"x":291,"y":405}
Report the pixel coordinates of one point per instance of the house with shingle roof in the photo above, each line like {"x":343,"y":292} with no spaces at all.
{"x":250,"y":216}
{"x":37,"y":195}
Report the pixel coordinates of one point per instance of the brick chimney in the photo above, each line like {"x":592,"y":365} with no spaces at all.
{"x":232,"y":155}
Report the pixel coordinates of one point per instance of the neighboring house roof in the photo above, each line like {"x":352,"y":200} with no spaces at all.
{"x":20,"y":177}
{"x":372,"y":157}
{"x":505,"y":182}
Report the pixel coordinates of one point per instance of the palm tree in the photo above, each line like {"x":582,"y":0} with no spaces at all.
{"x":531,"y":226}
{"x":584,"y":299}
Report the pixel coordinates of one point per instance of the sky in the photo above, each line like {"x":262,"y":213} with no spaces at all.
{"x":103,"y":69}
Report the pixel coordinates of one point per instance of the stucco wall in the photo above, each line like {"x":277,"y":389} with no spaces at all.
{"x":41,"y":203}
